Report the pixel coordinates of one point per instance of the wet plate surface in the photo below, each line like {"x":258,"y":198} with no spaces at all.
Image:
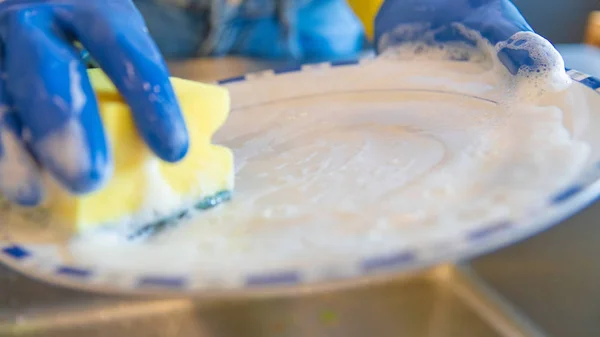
{"x":332,"y":161}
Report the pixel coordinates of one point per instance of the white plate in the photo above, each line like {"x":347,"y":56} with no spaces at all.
{"x":345,"y":85}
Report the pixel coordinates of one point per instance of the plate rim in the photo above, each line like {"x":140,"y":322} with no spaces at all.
{"x":365,"y":269}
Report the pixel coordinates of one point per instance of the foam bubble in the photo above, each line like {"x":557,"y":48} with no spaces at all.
{"x":19,"y":175}
{"x":545,"y":74}
{"x":67,"y":148}
{"x":417,"y":41}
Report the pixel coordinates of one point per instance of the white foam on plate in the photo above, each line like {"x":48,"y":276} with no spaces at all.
{"x":342,"y":163}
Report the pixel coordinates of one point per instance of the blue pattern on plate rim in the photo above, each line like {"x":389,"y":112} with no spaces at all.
{"x":74,"y":272}
{"x":161,"y":282}
{"x":396,"y":260}
{"x":273,"y":278}
{"x":17,"y":254}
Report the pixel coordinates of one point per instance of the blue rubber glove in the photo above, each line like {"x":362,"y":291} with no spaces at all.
{"x":495,"y":20}
{"x":49,"y":113}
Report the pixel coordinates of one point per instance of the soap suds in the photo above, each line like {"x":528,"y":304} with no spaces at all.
{"x":67,"y":149}
{"x":403,"y":150}
{"x":161,"y":201}
{"x":417,"y":41}
{"x":19,"y":174}
{"x":546,"y":74}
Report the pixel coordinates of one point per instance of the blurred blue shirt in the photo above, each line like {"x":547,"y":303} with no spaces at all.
{"x":297,"y":29}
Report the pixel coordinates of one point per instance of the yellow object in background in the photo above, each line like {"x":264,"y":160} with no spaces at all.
{"x":144,"y":189}
{"x":592,"y":33}
{"x":366,"y":10}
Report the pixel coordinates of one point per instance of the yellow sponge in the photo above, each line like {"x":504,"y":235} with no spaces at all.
{"x":143,"y":189}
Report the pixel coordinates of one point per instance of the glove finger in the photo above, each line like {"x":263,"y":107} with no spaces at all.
{"x":20,"y":175}
{"x":20,"y":178}
{"x":55,"y":102}
{"x":530,"y":52}
{"x":116,"y":36}
{"x":503,"y":26}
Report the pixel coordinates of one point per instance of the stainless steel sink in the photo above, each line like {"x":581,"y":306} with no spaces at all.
{"x":445,"y":301}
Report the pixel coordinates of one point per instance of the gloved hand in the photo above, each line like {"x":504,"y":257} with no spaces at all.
{"x":49,"y":114}
{"x":496,"y":20}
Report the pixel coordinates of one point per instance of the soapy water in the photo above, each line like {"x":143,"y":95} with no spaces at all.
{"x":416,"y":147}
{"x":67,"y":149}
{"x":19,"y":166}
